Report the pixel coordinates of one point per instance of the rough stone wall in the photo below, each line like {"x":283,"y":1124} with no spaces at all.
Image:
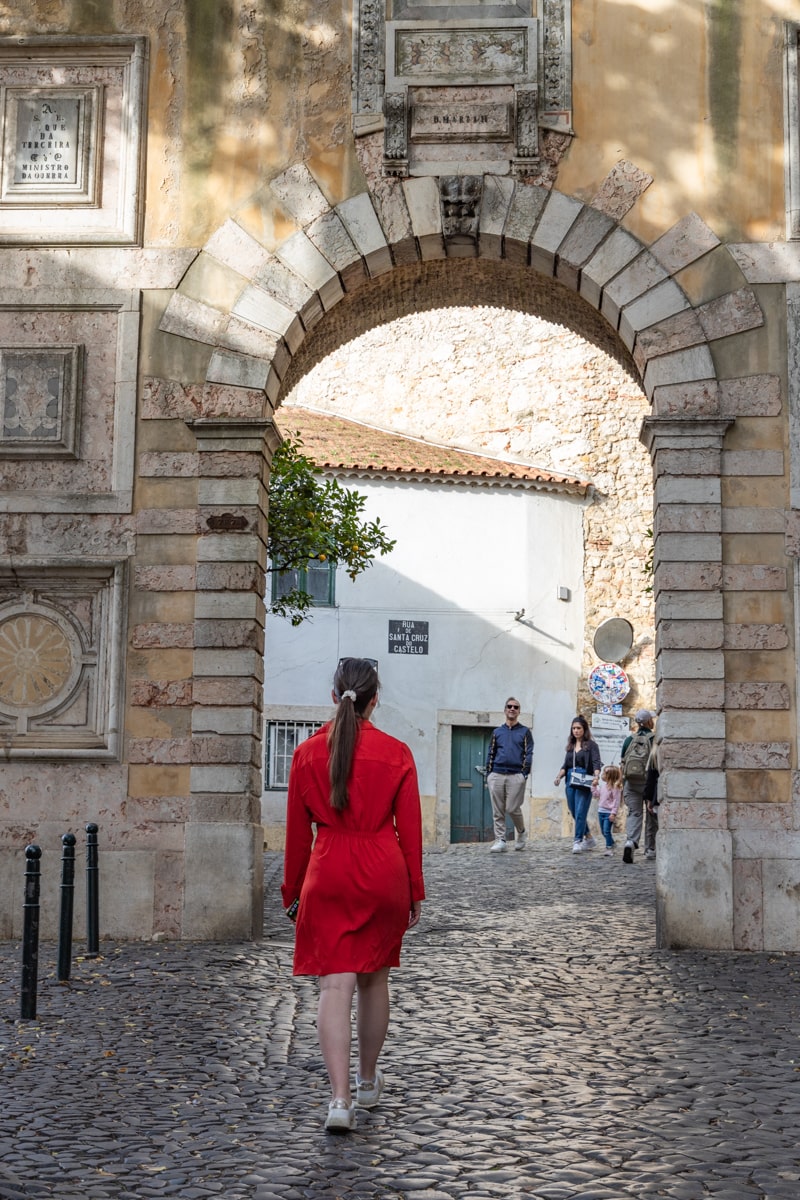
{"x":514,"y":385}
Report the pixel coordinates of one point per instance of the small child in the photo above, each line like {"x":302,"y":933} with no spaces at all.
{"x":608,"y":790}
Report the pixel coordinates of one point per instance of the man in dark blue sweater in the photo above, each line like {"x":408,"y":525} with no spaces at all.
{"x":508,"y":766}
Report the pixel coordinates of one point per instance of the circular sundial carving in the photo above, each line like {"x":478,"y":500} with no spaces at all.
{"x":36,"y":661}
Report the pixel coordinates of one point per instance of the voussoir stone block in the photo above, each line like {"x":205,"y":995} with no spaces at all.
{"x":524,"y":211}
{"x":362,"y":224}
{"x":687,"y":241}
{"x":611,"y":257}
{"x":299,"y":194}
{"x":495,"y":203}
{"x":558,"y":216}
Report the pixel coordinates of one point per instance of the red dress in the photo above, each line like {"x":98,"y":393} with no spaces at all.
{"x":357,"y":883}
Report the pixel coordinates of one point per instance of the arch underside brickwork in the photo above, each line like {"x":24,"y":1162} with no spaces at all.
{"x":580,"y":262}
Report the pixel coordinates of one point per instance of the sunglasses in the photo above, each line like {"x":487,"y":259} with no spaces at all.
{"x":513,"y":707}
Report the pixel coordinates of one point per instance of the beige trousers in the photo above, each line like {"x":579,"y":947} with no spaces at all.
{"x":507,"y":793}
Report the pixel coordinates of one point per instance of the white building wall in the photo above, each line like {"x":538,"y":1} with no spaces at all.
{"x":467,"y":561}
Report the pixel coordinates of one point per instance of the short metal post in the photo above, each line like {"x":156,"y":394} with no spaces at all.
{"x":67,"y":904}
{"x":30,"y":933}
{"x":92,"y":899}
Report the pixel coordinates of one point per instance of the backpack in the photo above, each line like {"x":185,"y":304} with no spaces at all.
{"x":634,"y":764}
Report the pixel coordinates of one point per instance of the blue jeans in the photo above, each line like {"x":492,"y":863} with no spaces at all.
{"x":606,"y":821}
{"x":578,"y":801}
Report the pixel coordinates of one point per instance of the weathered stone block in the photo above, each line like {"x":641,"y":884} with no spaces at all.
{"x":300,"y":194}
{"x":767,"y":756}
{"x":228,"y":663}
{"x":159,"y":750}
{"x":165,"y":579}
{"x":224,"y":633}
{"x":678,"y":784}
{"x":363,"y":226}
{"x":639,"y":277}
{"x":690,"y":752}
{"x":232,"y":547}
{"x":690,"y":577}
{"x":688,"y":518}
{"x":620,"y":190}
{"x":748,"y":905}
{"x":153,"y":693}
{"x":754,"y":578}
{"x":751,"y":396}
{"x":687,"y":240}
{"x":751,"y":694}
{"x":224,"y":749}
{"x":730,"y":314}
{"x":579,"y":245}
{"x":694,"y":889}
{"x":752,"y":462}
{"x":230,"y":577}
{"x":752,"y":520}
{"x":698,"y":398}
{"x":222,"y":721}
{"x":678,"y":693}
{"x":263,"y":310}
{"x":495,"y":203}
{"x":558,"y":216}
{"x":189,"y":318}
{"x":689,"y":547}
{"x":687,"y":462}
{"x":756,"y":637}
{"x":691,"y":724}
{"x":220,"y":691}
{"x":525,"y":209}
{"x":690,"y":635}
{"x":162,"y":634}
{"x":686,"y":489}
{"x":422,"y":199}
{"x":689,"y":606}
{"x":692,"y":814}
{"x":224,"y":872}
{"x":611,"y":257}
{"x":301,"y":256}
{"x":681,"y":366}
{"x":692,"y":664}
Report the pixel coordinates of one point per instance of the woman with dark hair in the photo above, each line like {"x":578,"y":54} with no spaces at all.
{"x":355,"y":888}
{"x":582,"y":759}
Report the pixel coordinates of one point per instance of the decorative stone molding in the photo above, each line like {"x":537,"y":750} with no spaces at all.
{"x":72,"y":139}
{"x":68,"y":400}
{"x":61,"y":642}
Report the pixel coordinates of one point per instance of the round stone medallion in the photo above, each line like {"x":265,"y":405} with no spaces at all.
{"x":36,"y":661}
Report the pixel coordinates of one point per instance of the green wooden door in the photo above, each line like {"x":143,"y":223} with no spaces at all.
{"x":470,"y":807}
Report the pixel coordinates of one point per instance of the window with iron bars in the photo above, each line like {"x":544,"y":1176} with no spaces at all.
{"x":283,"y":738}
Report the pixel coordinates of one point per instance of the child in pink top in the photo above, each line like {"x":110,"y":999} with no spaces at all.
{"x":608,"y":791}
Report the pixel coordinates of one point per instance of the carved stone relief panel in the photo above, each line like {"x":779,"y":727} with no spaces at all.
{"x":60,"y":660}
{"x":67,"y":402}
{"x":39,"y":401}
{"x":72,"y":121}
{"x":462,"y":87}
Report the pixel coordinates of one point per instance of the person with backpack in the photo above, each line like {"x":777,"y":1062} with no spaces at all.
{"x":635,"y":756}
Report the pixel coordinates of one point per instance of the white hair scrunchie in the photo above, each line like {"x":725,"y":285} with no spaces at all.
{"x":349,"y":695}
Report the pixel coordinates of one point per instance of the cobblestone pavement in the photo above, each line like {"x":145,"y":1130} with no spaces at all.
{"x":540,"y":1047}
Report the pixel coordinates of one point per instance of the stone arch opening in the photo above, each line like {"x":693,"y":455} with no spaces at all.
{"x":637,"y":293}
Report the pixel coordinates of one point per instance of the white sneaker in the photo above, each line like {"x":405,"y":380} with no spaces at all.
{"x":341,"y":1117}
{"x":368,"y":1094}
{"x":649,"y":853}
{"x":578,"y":848}
{"x":608,"y":852}
{"x":497,"y":847}
{"x":589,"y":843}
{"x":522,"y":840}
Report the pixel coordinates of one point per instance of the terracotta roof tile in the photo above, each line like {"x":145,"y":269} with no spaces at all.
{"x":337,"y":443}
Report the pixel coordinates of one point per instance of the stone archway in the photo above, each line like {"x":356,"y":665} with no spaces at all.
{"x":637,"y":292}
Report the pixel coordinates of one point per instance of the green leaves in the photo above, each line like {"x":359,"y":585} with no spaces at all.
{"x":311,"y":517}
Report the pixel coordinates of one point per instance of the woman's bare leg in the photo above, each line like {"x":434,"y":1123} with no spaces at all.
{"x":333,"y":1029}
{"x":372,"y":1020}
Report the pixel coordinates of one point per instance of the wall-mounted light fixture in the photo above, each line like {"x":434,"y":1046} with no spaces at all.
{"x":563,"y":593}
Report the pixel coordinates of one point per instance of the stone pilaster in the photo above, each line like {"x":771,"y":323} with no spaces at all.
{"x":695,"y":871}
{"x":224,"y":838}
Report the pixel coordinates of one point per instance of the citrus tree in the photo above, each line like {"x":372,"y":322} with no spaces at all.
{"x":313,"y":518}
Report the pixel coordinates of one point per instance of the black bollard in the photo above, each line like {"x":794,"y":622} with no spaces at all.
{"x":67,"y":903}
{"x":30,"y":933}
{"x":92,"y":900}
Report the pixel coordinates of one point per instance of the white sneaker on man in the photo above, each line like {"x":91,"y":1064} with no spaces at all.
{"x":497,"y":847}
{"x":521,"y":842}
{"x":578,"y":847}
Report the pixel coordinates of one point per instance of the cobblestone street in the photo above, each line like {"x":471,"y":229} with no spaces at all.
{"x":540,"y":1047}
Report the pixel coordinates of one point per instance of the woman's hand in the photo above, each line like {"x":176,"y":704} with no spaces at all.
{"x":558,"y":778}
{"x":415,"y":914}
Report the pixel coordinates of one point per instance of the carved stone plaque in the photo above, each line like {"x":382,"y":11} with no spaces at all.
{"x":478,"y":122}
{"x":72,"y":114}
{"x":50,"y":146}
{"x":60,"y":661}
{"x":470,"y":52}
{"x":39,"y":401}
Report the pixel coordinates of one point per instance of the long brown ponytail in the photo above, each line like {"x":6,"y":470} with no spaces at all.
{"x":355,"y":684}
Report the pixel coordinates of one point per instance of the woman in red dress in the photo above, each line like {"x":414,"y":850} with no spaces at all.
{"x":358,"y":883}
